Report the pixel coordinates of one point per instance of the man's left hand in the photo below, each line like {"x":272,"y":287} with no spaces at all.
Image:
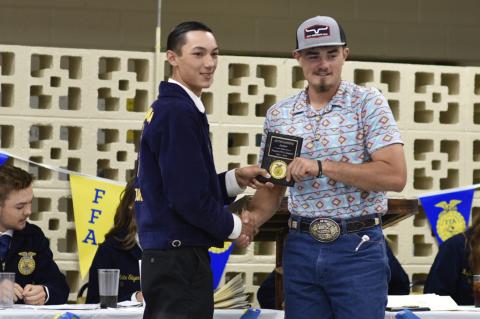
{"x":246,"y":176}
{"x":34,"y":295}
{"x":300,"y":168}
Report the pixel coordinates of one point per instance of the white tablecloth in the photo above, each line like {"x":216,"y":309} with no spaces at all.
{"x":18,"y":312}
{"x":465,"y":312}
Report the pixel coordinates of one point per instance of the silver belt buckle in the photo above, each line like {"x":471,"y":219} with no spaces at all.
{"x":324,"y":229}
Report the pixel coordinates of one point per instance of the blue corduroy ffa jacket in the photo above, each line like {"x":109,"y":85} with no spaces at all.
{"x":182,"y":199}
{"x":31,"y":259}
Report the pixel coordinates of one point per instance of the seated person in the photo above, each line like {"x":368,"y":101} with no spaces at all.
{"x":24,"y":249}
{"x":119,"y":250}
{"x":399,"y":283}
{"x":450,"y":274}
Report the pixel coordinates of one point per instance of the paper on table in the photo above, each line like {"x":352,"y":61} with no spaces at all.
{"x":62,"y":307}
{"x":468,"y":308}
{"x":432,"y":301}
{"x":129,"y":303}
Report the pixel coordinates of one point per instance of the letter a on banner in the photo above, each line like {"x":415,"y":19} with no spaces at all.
{"x":94,"y":204}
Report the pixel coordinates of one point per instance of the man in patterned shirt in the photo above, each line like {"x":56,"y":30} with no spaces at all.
{"x":335,"y":262}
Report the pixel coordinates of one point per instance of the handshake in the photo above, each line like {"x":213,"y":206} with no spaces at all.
{"x":249,"y":229}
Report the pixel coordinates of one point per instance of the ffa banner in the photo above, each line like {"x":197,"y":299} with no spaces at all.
{"x":251,"y":313}
{"x":218,"y":260}
{"x":3,"y":158}
{"x":448,"y":212}
{"x":94,"y":205}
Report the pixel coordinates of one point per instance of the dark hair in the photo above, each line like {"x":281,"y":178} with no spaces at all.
{"x":473,"y":244}
{"x":13,"y":178}
{"x":176,"y":37}
{"x":125,"y":218}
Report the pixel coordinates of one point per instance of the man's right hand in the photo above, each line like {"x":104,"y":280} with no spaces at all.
{"x":249,"y":229}
{"x":18,"y":292}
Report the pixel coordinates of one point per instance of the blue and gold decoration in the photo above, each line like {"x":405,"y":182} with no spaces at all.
{"x":251,"y":313}
{"x":448,"y":212}
{"x":3,"y":158}
{"x":218,"y":260}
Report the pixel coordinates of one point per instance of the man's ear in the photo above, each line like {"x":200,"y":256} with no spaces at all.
{"x":172,"y":57}
{"x":296,"y":55}
{"x":346,"y":52}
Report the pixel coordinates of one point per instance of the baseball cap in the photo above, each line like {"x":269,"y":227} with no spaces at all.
{"x":320,"y":31}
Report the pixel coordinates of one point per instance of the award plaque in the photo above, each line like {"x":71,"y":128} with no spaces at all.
{"x":280,"y":150}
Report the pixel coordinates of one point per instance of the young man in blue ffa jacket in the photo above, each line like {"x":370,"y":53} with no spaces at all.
{"x":180,"y":202}
{"x":24,"y":249}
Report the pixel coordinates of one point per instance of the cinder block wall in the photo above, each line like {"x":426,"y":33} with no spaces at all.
{"x":83,"y":109}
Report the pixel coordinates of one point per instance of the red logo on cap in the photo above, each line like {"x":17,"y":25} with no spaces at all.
{"x":317,"y":31}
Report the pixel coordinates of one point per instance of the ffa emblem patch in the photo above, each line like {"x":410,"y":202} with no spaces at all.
{"x":278,"y":169}
{"x":26,"y":264}
{"x":450,"y":222}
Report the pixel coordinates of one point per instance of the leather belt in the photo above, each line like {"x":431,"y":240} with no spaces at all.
{"x":326,"y":229}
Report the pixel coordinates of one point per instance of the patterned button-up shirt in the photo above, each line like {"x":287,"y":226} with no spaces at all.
{"x":354,"y":124}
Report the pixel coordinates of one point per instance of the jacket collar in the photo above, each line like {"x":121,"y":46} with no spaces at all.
{"x":169,"y":89}
{"x":196,"y":99}
{"x":117,"y":245}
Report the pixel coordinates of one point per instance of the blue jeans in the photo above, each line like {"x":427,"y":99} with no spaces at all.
{"x":332,"y":280}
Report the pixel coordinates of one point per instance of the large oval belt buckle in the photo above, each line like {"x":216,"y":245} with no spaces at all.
{"x":324,"y":230}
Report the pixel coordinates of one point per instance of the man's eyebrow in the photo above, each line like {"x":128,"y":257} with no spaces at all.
{"x":199,"y":48}
{"x":333,"y":50}
{"x":203,"y":48}
{"x":25,"y":202}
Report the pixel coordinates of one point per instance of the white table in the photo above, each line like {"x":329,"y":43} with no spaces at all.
{"x":465,"y":312}
{"x":20,"y":312}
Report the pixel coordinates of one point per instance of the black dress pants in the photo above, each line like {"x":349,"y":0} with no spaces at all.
{"x":177,"y":283}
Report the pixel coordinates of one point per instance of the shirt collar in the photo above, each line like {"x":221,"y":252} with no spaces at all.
{"x":302,"y":104}
{"x":198,"y":102}
{"x":8,"y":232}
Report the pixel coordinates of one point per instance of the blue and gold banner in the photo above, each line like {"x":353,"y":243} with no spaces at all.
{"x":218,"y":261}
{"x":251,"y":313}
{"x":448,"y":212}
{"x":94,"y":204}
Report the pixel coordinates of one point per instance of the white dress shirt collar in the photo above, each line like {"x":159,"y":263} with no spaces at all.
{"x":8,"y":232}
{"x":198,"y":102}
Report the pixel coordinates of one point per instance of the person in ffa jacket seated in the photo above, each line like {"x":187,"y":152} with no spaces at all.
{"x":457,"y":260}
{"x":119,"y":250}
{"x":24,"y":249}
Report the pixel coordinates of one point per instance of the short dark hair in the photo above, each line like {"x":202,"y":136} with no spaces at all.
{"x":12,"y":179}
{"x":176,"y":37}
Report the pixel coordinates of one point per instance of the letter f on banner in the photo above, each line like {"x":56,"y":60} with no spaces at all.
{"x":94,"y":204}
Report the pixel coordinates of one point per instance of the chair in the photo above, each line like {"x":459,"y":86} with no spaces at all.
{"x":80,"y":298}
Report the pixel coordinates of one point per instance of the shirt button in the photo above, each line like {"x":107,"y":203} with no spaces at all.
{"x":318,"y":118}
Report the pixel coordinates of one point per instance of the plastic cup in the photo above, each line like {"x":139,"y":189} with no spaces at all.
{"x":7,"y":281}
{"x":108,"y":287}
